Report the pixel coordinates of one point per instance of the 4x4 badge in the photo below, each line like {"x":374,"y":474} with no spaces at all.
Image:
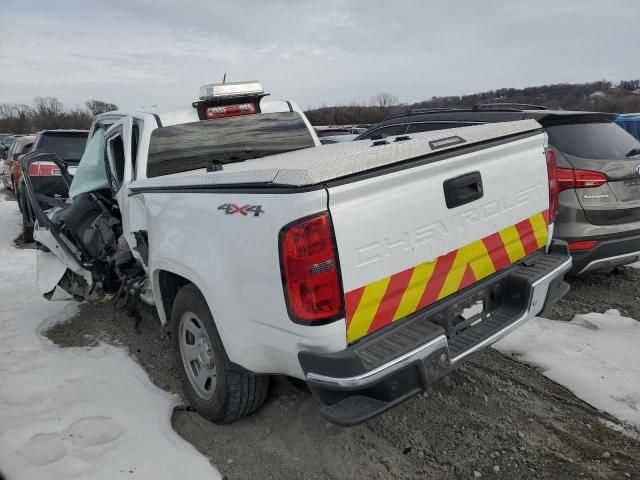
{"x":232,"y":209}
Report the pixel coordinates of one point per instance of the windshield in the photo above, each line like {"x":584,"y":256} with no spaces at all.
{"x":68,"y":147}
{"x":605,"y":140}
{"x":91,"y":174}
{"x":191,"y":146}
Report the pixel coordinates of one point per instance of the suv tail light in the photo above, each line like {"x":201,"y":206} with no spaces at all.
{"x":582,"y":245}
{"x":43,"y":169}
{"x":310,"y":270}
{"x":230,"y":110}
{"x":570,"y":178}
{"x":554,"y":188}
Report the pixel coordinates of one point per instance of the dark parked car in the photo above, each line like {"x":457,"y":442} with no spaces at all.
{"x":330,"y":140}
{"x":598,"y":171}
{"x":46,"y":178}
{"x":330,"y":131}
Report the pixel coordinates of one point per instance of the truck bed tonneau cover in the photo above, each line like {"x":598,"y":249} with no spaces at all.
{"x":312,"y":166}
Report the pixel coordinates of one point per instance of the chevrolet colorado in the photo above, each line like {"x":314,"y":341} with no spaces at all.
{"x":367,"y":269}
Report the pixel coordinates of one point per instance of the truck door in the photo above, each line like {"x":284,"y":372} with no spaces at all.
{"x":121,"y":143}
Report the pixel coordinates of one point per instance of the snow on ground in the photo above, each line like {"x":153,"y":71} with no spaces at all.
{"x":89,"y":413}
{"x":596,"y":356}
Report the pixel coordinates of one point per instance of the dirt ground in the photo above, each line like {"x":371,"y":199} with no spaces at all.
{"x":493,"y":417}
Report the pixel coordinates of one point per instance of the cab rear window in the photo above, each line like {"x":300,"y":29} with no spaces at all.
{"x":192,"y":146}
{"x":593,"y":140}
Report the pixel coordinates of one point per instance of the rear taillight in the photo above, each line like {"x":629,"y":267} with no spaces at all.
{"x":582,"y":245}
{"x":570,"y":178}
{"x":230,"y":110}
{"x":43,"y":169}
{"x":554,"y":190}
{"x":310,"y":270}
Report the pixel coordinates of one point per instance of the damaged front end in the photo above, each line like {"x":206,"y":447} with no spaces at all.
{"x":81,"y":252}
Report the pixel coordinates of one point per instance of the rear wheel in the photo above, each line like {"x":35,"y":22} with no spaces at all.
{"x":219,"y":391}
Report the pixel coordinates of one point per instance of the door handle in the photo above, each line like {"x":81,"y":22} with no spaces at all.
{"x":463,"y":189}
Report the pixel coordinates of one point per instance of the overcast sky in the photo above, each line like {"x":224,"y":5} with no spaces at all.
{"x":145,"y":52}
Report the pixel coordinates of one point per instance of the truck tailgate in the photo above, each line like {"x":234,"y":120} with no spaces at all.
{"x":403,"y":245}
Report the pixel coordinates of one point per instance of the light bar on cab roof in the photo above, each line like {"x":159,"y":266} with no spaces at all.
{"x":231,"y":89}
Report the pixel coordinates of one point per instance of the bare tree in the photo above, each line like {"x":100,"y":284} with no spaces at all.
{"x":96,"y":107}
{"x":76,"y":117}
{"x":46,"y":112}
{"x":384,"y":101}
{"x":48,"y":107}
{"x":6,"y":110}
{"x":15,"y":117}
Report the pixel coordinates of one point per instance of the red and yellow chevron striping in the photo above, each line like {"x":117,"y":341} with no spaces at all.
{"x":380,"y":303}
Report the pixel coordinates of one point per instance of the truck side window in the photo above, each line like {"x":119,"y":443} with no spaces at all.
{"x":135,"y":135}
{"x":116,"y":157}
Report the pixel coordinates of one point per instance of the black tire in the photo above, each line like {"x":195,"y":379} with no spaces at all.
{"x":16,"y":192}
{"x":27,"y":224}
{"x":237,"y":393}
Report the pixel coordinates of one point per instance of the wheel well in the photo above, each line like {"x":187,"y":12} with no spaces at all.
{"x":170,"y":284}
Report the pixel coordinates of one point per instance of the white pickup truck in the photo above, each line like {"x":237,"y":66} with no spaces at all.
{"x":367,"y":269}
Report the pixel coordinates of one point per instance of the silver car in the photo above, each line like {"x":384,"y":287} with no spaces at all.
{"x":597,"y":167}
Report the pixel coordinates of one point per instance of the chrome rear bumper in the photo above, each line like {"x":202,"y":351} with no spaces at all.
{"x":386,"y":368}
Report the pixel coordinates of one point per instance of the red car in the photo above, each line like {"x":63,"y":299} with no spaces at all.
{"x":11,"y":172}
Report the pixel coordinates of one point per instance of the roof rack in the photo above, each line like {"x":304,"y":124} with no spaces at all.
{"x":508,"y":106}
{"x":418,"y":111}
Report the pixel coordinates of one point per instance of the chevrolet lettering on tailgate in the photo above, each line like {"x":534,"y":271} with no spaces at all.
{"x":373,"y":306}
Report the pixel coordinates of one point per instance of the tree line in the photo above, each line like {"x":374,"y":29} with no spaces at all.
{"x":48,"y":113}
{"x":600,"y":96}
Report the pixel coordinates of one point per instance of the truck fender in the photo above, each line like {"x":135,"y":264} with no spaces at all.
{"x":186,"y":276}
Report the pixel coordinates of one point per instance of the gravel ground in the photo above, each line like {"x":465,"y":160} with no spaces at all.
{"x":493,"y":417}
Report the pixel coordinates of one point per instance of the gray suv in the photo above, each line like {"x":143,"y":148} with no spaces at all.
{"x":598,"y":169}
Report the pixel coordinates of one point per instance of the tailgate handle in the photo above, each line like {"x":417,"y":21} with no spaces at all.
{"x":463,"y":189}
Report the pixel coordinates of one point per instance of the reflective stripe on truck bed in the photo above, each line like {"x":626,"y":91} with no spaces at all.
{"x":378,"y":304}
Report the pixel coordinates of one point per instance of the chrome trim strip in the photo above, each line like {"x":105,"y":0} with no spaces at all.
{"x":538,"y":295}
{"x":423,"y":351}
{"x":595,"y":263}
